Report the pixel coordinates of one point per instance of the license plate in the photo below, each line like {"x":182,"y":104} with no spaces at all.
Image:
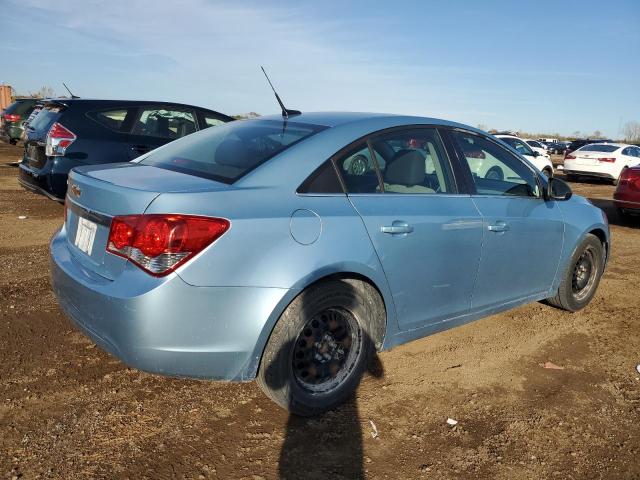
{"x":586,"y":161}
{"x":85,"y":235}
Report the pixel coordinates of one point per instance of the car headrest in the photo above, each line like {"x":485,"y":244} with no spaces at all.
{"x":407,"y":168}
{"x":233,"y":152}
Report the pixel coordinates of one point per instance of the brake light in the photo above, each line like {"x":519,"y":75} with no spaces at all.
{"x":631,"y":177}
{"x":58,"y":140}
{"x":12,"y":117}
{"x":607,"y":159}
{"x":160,"y":243}
{"x":569,"y":157}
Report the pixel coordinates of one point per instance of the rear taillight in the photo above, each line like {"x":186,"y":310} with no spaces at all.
{"x":631,"y":178}
{"x":607,"y":159}
{"x":161,"y":243}
{"x":12,"y":117}
{"x":58,"y":140}
{"x":569,"y":157}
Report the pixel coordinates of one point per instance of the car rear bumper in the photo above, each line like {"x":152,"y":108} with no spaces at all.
{"x":627,"y":200}
{"x":164,"y":325}
{"x":50,"y":180}
{"x":598,"y":171}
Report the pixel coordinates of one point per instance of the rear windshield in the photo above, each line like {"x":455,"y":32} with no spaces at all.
{"x":228,"y":152}
{"x":45,"y":118}
{"x":594,"y":147}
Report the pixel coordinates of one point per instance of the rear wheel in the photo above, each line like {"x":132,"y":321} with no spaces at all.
{"x":581,"y":278}
{"x":320,"y":347}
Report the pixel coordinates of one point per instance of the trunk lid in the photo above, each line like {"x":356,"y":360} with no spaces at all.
{"x":98,"y":193}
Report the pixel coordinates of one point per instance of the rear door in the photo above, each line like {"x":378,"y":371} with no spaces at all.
{"x":427,"y":234}
{"x":155,"y":125}
{"x":522,"y":233}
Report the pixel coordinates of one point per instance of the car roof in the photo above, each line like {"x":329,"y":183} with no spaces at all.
{"x":335,"y":119}
{"x":608,"y":144}
{"x":69,"y":101}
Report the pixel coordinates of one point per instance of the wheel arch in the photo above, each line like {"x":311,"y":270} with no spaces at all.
{"x":380,"y":331}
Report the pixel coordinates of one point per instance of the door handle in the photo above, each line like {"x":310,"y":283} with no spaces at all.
{"x":499,"y":227}
{"x":397,"y":228}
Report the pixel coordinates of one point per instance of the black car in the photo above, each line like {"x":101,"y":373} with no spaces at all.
{"x":557,"y":147}
{"x":68,"y":133}
{"x":576,"y":144}
{"x":13,"y":116}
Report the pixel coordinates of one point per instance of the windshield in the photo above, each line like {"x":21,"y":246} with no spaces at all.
{"x":595,"y":147}
{"x":228,"y":152}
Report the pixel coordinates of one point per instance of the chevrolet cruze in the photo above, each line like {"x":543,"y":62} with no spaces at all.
{"x":290,"y":249}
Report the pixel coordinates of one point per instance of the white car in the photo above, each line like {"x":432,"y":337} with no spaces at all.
{"x":540,"y":161}
{"x":603,"y":160}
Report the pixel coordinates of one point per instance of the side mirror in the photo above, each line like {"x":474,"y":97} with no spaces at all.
{"x":536,"y":154}
{"x":557,"y":189}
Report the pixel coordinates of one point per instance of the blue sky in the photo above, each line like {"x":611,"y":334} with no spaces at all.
{"x":539,"y":66}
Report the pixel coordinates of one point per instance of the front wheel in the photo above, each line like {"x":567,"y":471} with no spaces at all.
{"x":320,"y":348}
{"x":582,"y":276}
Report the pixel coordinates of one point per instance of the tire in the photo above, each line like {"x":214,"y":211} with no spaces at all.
{"x":495,"y":173}
{"x":574,"y":294}
{"x":310,"y":378}
{"x":13,"y":141}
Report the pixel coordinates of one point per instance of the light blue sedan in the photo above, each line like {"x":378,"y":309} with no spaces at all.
{"x":289,"y":249}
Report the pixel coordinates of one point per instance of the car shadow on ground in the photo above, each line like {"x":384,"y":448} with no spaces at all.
{"x":326,"y":446}
{"x":614,"y":216}
{"x":329,"y":445}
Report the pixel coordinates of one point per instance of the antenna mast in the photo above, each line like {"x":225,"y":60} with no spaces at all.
{"x":285,"y":112}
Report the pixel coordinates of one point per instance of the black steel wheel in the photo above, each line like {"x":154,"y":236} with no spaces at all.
{"x":582,"y":275}
{"x":326,"y":350}
{"x":321,"y":346}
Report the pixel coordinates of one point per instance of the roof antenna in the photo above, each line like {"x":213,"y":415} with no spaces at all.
{"x":285,"y":113}
{"x":72,"y":95}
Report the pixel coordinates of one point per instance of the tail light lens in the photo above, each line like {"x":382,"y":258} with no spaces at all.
{"x":607,"y":160}
{"x":58,"y":140}
{"x":12,"y":117}
{"x":568,"y":156}
{"x":631,"y":178}
{"x":161,"y":243}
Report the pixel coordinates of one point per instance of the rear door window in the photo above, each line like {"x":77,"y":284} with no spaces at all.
{"x":114,"y":119}
{"x":164,"y":122}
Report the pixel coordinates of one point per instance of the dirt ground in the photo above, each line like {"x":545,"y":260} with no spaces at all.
{"x":69,"y":410}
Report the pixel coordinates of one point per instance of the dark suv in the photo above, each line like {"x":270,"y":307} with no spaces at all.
{"x":68,"y":133}
{"x":12,"y":117}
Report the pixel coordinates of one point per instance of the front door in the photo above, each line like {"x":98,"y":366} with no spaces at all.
{"x":522,"y":233}
{"x":426,"y":235}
